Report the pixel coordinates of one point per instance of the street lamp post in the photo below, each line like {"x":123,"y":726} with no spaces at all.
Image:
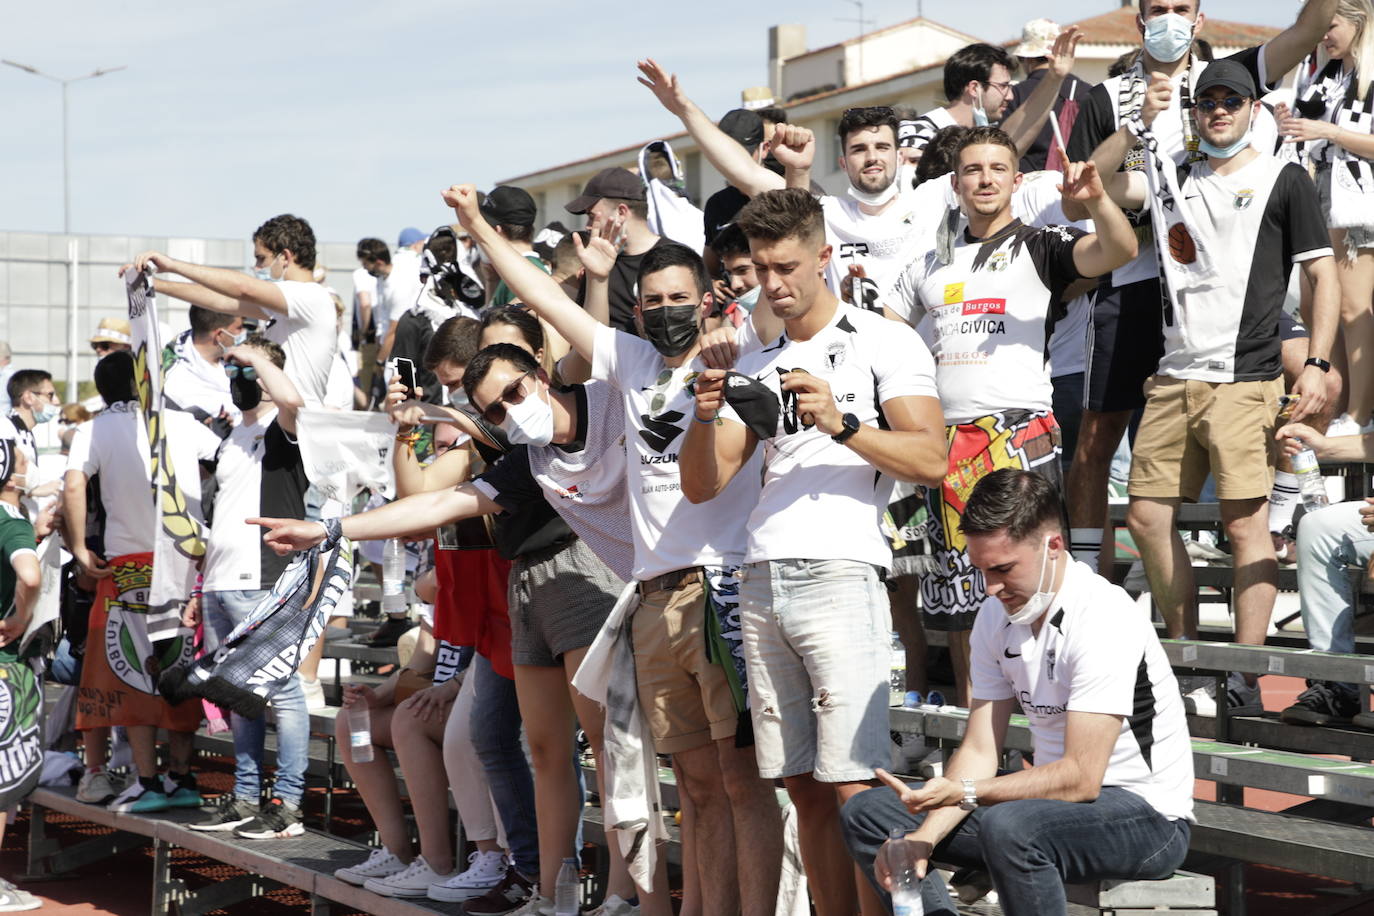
{"x":66,"y":183}
{"x":67,"y":213}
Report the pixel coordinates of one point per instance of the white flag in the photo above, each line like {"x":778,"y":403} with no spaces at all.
{"x":347,"y":450}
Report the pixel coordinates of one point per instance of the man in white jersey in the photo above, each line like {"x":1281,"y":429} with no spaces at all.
{"x":686,"y":556}
{"x":1123,"y":345}
{"x":299,"y":312}
{"x":1111,"y":794}
{"x":990,"y":303}
{"x":1238,"y":221}
{"x":873,"y":228}
{"x":842,"y":402}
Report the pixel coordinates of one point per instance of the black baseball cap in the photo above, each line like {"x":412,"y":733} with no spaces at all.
{"x":509,"y":206}
{"x":622,"y":184}
{"x":744,"y":127}
{"x":1229,"y":74}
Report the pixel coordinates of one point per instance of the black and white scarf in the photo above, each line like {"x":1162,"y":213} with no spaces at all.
{"x":1351,"y":177}
{"x":262,"y":653}
{"x":1130,"y":99}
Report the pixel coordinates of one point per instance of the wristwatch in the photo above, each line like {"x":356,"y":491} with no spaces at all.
{"x":851,"y":426}
{"x":970,"y":799}
{"x":1321,"y":364}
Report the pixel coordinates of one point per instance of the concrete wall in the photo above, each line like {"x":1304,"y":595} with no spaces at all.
{"x":35,"y":269}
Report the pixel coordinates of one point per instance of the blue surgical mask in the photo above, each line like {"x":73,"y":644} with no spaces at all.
{"x":1168,"y":37}
{"x":458,"y":398}
{"x":749,"y":299}
{"x":263,"y":273}
{"x":1224,"y":152}
{"x":45,"y":414}
{"x":980,"y":114}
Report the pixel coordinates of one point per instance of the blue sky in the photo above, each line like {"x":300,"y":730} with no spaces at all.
{"x":354,"y":115}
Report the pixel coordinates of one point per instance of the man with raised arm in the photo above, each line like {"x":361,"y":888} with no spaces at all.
{"x":299,"y":312}
{"x":1111,"y":794}
{"x":841,"y":402}
{"x":686,"y":556}
{"x":1123,"y":348}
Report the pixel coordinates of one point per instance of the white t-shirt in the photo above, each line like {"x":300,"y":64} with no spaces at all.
{"x":584,"y":480}
{"x":194,"y":382}
{"x":821,"y":500}
{"x":1096,"y":652}
{"x":397,"y":291}
{"x":670,"y":533}
{"x":988,"y":315}
{"x":306,"y":332}
{"x":108,"y":445}
{"x":883,"y":243}
{"x":930,"y":124}
{"x":363,"y":282}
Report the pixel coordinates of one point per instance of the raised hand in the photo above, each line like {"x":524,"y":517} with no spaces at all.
{"x":1082,"y":184}
{"x":1064,"y":51}
{"x":710,"y":392}
{"x":1295,"y":129}
{"x":399,"y":406}
{"x":605,"y":244}
{"x":157,"y":259}
{"x":463,"y":199}
{"x":1157,"y":96}
{"x":664,"y":86}
{"x":718,"y":348}
{"x":793,"y":146}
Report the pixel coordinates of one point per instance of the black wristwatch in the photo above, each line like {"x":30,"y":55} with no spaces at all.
{"x":1321,"y":364}
{"x":851,"y":426}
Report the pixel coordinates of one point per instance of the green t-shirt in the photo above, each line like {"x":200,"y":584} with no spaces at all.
{"x":16,"y":537}
{"x":502,"y":294}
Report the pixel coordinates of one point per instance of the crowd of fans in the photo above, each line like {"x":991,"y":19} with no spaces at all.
{"x":675,"y":478}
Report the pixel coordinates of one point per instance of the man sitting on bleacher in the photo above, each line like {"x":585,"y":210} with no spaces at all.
{"x":1329,"y":541}
{"x":1111,"y":793}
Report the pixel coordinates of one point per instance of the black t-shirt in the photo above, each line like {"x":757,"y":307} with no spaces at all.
{"x":720,"y":210}
{"x":534,"y":526}
{"x":413,"y":333}
{"x":1039,"y":151}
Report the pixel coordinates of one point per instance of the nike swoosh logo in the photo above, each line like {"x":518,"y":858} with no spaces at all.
{"x":1010,"y":654}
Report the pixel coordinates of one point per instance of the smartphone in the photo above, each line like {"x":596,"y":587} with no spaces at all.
{"x":405,"y":371}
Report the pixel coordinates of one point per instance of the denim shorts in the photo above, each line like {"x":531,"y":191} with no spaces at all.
{"x":817,"y":640}
{"x":1356,"y":237}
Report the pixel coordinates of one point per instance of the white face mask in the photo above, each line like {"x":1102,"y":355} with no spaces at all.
{"x":1039,"y":602}
{"x":876,"y":199}
{"x":530,"y":422}
{"x":459,"y":399}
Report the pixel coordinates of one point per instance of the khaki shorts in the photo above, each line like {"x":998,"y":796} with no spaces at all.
{"x":685,"y":695}
{"x":1192,"y":427}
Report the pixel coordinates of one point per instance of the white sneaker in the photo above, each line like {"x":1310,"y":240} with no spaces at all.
{"x":1241,"y":698}
{"x":485,"y":871}
{"x":615,"y":906}
{"x":13,"y":900}
{"x":536,"y":906}
{"x":379,"y":864}
{"x":413,"y":881}
{"x":96,"y":788}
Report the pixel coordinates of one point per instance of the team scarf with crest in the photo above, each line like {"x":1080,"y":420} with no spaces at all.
{"x":178,"y":544}
{"x":262,"y":653}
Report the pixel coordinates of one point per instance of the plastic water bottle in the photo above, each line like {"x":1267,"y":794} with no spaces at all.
{"x":360,"y":732}
{"x":897,"y":681}
{"x":565,"y":891}
{"x":900,"y":857}
{"x":1310,"y":483}
{"x":394,"y":576}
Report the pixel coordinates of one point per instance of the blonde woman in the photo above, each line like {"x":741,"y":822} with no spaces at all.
{"x":1336,"y":137}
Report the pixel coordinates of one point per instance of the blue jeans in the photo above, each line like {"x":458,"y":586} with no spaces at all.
{"x":224,"y":611}
{"x":496,"y":738}
{"x":1031,"y":848}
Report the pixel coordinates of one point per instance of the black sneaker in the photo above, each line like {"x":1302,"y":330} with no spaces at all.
{"x":229,"y":811}
{"x":513,"y":892}
{"x":277,"y":820}
{"x":1363,"y":720}
{"x":388,"y":633}
{"x":1322,"y":703}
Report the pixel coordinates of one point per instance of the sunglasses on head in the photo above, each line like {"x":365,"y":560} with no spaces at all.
{"x":1233,"y":103}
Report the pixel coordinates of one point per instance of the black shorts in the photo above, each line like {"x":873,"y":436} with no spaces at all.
{"x":1125,"y":345}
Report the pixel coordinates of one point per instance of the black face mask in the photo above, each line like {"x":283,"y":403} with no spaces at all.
{"x":245,"y":392}
{"x":672,"y":329}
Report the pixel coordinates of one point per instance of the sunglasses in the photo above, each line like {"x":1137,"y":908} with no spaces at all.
{"x":233,"y":370}
{"x":1233,"y":103}
{"x":495,"y":413}
{"x":102,"y":346}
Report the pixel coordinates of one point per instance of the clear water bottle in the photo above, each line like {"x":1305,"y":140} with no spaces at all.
{"x":897,"y":680}
{"x":565,"y":891}
{"x":900,"y":857}
{"x":394,"y":576}
{"x":1310,"y":483}
{"x":360,"y":732}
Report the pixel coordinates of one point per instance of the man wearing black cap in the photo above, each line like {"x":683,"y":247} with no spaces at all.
{"x":745,"y":128}
{"x":1229,"y":228}
{"x":512,"y":212}
{"x":616,"y":194}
